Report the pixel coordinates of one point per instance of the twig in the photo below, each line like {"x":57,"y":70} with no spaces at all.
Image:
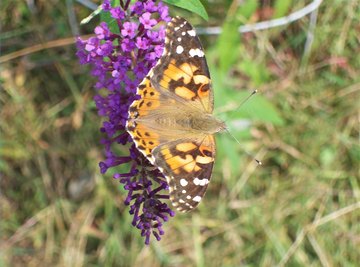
{"x":269,"y":23}
{"x":310,"y":32}
{"x":309,"y":36}
{"x":39,"y":47}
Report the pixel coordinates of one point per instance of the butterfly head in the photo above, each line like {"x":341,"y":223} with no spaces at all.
{"x":209,"y":124}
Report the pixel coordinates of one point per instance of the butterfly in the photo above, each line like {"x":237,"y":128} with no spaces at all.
{"x":172,"y":123}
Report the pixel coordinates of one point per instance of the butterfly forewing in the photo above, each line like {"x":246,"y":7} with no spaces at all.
{"x":183,"y":69}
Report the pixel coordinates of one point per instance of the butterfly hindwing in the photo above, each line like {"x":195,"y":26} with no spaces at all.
{"x":187,"y":165}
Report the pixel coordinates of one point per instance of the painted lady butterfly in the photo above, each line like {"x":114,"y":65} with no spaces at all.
{"x":172,"y":122}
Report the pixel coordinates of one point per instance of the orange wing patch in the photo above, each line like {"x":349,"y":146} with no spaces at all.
{"x":145,"y":139}
{"x":149,"y":99}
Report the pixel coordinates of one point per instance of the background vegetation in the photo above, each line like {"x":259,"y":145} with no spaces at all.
{"x":301,"y":208}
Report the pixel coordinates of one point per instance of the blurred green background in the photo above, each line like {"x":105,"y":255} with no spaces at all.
{"x":300,"y":208}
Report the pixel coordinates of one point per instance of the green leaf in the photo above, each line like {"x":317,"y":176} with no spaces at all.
{"x":194,"y":6}
{"x":110,"y":21}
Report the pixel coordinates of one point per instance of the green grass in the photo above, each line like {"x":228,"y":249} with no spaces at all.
{"x":300,"y":208}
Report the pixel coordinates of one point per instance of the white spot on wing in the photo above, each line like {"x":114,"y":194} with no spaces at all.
{"x":184,"y":191}
{"x":188,"y":197}
{"x":196,"y":52}
{"x":197,"y":198}
{"x":201,"y":182}
{"x":179,"y":39}
{"x":179,"y":49}
{"x":183,"y":182}
{"x":191,"y":33}
{"x":181,"y":201}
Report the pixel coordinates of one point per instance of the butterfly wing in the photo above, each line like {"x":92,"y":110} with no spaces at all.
{"x":187,"y":165}
{"x":182,"y":70}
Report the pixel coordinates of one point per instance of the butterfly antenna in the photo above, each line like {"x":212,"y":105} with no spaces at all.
{"x":246,"y":99}
{"x":248,"y":153}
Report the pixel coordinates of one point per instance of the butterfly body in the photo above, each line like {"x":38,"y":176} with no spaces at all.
{"x":187,"y":120}
{"x":172,"y":123}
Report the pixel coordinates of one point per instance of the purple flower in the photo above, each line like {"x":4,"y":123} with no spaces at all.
{"x":106,"y":6}
{"x":150,"y":7}
{"x":129,"y":29}
{"x":127,"y":45}
{"x":164,"y":12}
{"x":119,"y":63}
{"x":147,"y":21}
{"x":142,"y":43}
{"x":138,"y":8}
{"x":91,"y":44}
{"x":105,"y":49}
{"x":102,"y":31}
{"x":117,"y":13}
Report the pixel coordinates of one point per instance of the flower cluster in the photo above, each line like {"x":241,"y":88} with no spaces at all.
{"x":120,"y":57}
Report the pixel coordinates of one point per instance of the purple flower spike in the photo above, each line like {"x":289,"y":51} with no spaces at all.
{"x":120,"y":60}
